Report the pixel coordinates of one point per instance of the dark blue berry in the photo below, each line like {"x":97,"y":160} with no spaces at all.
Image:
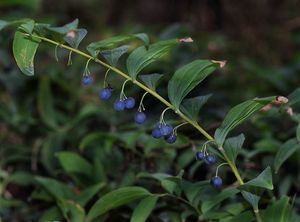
{"x":200,"y":155}
{"x":216,"y":181}
{"x":156,"y":132}
{"x":171,"y":138}
{"x":210,"y":159}
{"x":119,"y":105}
{"x":139,"y":117}
{"x":87,"y":80}
{"x":105,"y":93}
{"x":129,"y":103}
{"x":166,"y":129}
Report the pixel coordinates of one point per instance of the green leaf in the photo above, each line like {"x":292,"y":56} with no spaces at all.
{"x":74,"y":163}
{"x":141,"y":57}
{"x":71,"y":210}
{"x":187,"y":78}
{"x":151,"y":80}
{"x":144,"y":209}
{"x":66,"y":28}
{"x":294,"y":97}
{"x":27,"y":26}
{"x":192,"y":106}
{"x":260,"y":183}
{"x":51,"y":214}
{"x":144,"y":37}
{"x":85,"y":195}
{"x":233,"y":146}
{"x":3,"y":24}
{"x":74,"y":37}
{"x":226,"y":193}
{"x":21,"y":178}
{"x":298,"y":133}
{"x":237,"y":115}
{"x":113,"y":55}
{"x":284,"y":152}
{"x":252,"y":199}
{"x":280,"y":211}
{"x":24,"y":49}
{"x":115,"y":199}
{"x":45,"y":103}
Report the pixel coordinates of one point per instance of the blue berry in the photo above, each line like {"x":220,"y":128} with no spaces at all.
{"x":105,"y":93}
{"x":129,"y":103}
{"x":87,"y":80}
{"x":200,"y":155}
{"x":171,"y":138}
{"x":119,"y":105}
{"x":216,"y":181}
{"x":210,"y":159}
{"x":139,"y":117}
{"x":156,"y":132}
{"x":166,"y":129}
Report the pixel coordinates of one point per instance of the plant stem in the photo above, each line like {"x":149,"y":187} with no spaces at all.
{"x":152,"y":92}
{"x":258,"y":218}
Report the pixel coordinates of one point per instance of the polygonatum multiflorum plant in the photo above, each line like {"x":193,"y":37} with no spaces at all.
{"x":214,"y":150}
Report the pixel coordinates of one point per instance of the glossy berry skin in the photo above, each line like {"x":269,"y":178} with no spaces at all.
{"x":200,"y":155}
{"x":210,"y":159}
{"x":119,"y":105}
{"x":129,"y":103}
{"x":166,"y":129}
{"x":139,"y":117}
{"x":156,"y":133}
{"x":216,"y":181}
{"x":87,"y":80}
{"x":105,"y":93}
{"x":171,"y":138}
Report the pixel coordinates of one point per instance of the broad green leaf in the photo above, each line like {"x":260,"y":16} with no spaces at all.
{"x":21,"y":178}
{"x":74,"y":37}
{"x":88,"y":193}
{"x":115,"y":199}
{"x":192,"y":106}
{"x":187,"y":78}
{"x":51,"y":214}
{"x":74,"y":163}
{"x":71,"y":210}
{"x":45,"y":103}
{"x":294,"y":97}
{"x":284,"y":152}
{"x":280,"y":211}
{"x":144,"y":37}
{"x":24,"y":49}
{"x":246,"y":216}
{"x":66,"y":28}
{"x":252,"y":199}
{"x":226,"y":193}
{"x":27,"y":26}
{"x":233,"y":146}
{"x":151,"y":80}
{"x":57,"y":189}
{"x":113,"y":55}
{"x":141,"y":57}
{"x":298,"y":133}
{"x":260,"y":183}
{"x":191,"y":190}
{"x":144,"y":209}
{"x":237,"y":115}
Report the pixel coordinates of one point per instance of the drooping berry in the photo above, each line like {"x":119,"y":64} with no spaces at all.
{"x":210,"y":159}
{"x":216,"y":181}
{"x":139,"y":117}
{"x":171,"y":138}
{"x":129,"y":103}
{"x":156,"y":133}
{"x":105,"y":93}
{"x":200,"y":155}
{"x":87,"y":80}
{"x":166,"y":129}
{"x":119,"y":105}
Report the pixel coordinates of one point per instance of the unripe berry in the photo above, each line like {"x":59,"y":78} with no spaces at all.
{"x":216,"y":181}
{"x":87,"y":80}
{"x":105,"y":93}
{"x":156,"y":132}
{"x":119,"y":105}
{"x":171,"y":138}
{"x":200,"y":155}
{"x":129,"y":103}
{"x":166,"y":129}
{"x":139,"y":117}
{"x":210,"y":159}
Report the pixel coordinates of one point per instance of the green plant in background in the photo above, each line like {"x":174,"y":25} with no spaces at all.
{"x":79,"y":200}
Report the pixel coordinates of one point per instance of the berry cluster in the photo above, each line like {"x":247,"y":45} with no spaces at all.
{"x":164,"y":130}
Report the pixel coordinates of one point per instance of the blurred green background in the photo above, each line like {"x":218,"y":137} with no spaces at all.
{"x":51,"y":112}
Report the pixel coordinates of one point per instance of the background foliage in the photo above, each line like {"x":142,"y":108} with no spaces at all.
{"x":59,"y":142}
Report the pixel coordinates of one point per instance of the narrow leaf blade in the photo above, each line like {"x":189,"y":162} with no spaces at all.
{"x":144,"y":209}
{"x":151,"y":80}
{"x":233,"y":146}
